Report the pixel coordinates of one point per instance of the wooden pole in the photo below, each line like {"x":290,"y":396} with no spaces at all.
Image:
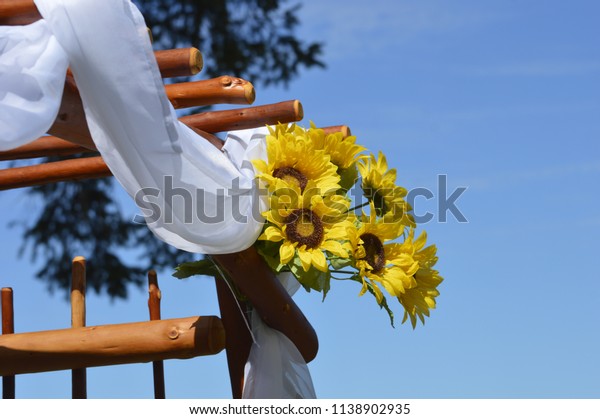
{"x":248,"y":270}
{"x":238,"y":339}
{"x":95,"y":346}
{"x":344,"y":129}
{"x":224,"y":89}
{"x":71,"y":123}
{"x":179,"y":62}
{"x":8,"y":327}
{"x":40,"y":174}
{"x":18,"y":12}
{"x":154,"y":297}
{"x":73,"y":169}
{"x":54,"y":146}
{"x":78,"y":284}
{"x":43,"y":147}
{"x":243,"y":118}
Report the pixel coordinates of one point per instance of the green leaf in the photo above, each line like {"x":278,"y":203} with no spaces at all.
{"x":339,"y":263}
{"x":313,"y":279}
{"x":199,"y":267}
{"x":383,"y":304}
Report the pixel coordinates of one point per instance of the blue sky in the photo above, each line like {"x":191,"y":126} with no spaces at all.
{"x":503,"y":97}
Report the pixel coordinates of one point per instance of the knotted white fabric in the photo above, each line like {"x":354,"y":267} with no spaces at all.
{"x":193,"y":196}
{"x":275,"y":368}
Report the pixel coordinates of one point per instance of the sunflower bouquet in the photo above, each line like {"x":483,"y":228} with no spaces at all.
{"x":319,"y":228}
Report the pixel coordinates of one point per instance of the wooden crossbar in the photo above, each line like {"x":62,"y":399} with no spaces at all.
{"x":95,"y":346}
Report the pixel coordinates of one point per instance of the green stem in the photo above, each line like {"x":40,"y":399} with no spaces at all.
{"x":364,"y":204}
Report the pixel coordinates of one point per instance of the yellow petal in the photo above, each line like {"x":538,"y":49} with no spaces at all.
{"x":305,"y":258}
{"x":272,"y":234}
{"x":319,"y":261}
{"x":335,"y":248}
{"x":286,"y":252}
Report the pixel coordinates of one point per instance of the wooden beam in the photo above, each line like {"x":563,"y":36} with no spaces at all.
{"x":8,"y":327}
{"x":248,"y":270}
{"x":95,"y":346}
{"x":41,"y":174}
{"x":179,"y":62}
{"x":18,"y":12}
{"x":44,"y":147}
{"x":54,"y":146}
{"x":158,"y":370}
{"x":220,"y":90}
{"x":78,"y":376}
{"x":243,"y":118}
{"x":239,"y":340}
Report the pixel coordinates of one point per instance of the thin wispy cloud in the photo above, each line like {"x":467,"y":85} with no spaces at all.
{"x":539,"y":174}
{"x":354,"y":25}
{"x":533,"y":69}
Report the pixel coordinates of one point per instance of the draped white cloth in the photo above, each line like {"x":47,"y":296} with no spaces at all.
{"x":193,"y":196}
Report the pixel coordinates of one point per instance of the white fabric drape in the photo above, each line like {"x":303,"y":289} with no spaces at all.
{"x":193,"y":196}
{"x":32,"y":76}
{"x":275,"y":368}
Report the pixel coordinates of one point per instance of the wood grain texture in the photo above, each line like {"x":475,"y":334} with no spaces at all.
{"x":110,"y":345}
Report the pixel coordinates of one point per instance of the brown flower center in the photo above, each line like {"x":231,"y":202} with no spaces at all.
{"x":292,"y":176}
{"x":305,"y":228}
{"x":375,"y":254}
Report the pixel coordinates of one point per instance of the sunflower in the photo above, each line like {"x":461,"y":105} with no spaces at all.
{"x":379,"y":187}
{"x":294,"y":160}
{"x":308,"y":224}
{"x":380,"y":262}
{"x":418,"y":300}
{"x":343,"y":152}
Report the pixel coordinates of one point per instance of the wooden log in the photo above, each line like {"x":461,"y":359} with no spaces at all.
{"x":18,"y":12}
{"x":224,"y":89}
{"x":243,"y":118}
{"x":158,"y":370}
{"x":44,"y":147}
{"x":67,"y":170}
{"x":248,"y":270}
{"x":95,"y":346}
{"x":78,"y":376}
{"x":8,"y":327}
{"x":344,"y":129}
{"x":54,"y":146}
{"x":238,"y":339}
{"x":40,"y":174}
{"x":179,"y":62}
{"x":71,"y":123}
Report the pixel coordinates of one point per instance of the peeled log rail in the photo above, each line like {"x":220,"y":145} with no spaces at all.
{"x":18,"y":12}
{"x":40,"y":174}
{"x":71,"y":123}
{"x":256,"y":116}
{"x":43,"y":147}
{"x":179,"y":62}
{"x":96,"y":346}
{"x":66,"y":170}
{"x":71,"y":126}
{"x":224,"y":89}
{"x":344,"y":129}
{"x":269,"y":298}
